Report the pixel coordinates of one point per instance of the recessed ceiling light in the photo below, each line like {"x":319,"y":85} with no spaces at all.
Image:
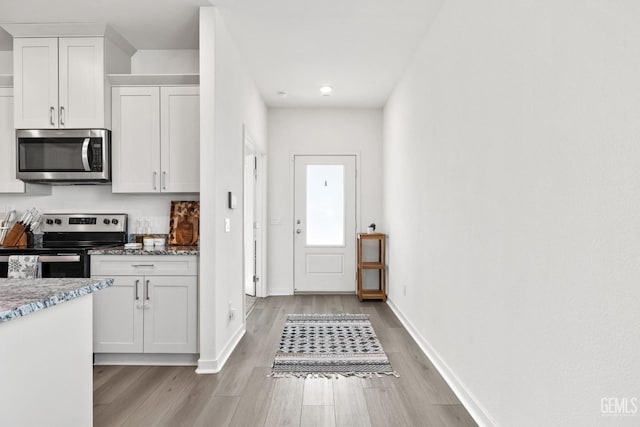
{"x":326,"y":90}
{"x":282,"y":94}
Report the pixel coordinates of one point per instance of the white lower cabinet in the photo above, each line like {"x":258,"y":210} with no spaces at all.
{"x":118,"y":317}
{"x":151,"y":308}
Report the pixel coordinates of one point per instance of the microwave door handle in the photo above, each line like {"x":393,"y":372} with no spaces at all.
{"x":85,"y":155}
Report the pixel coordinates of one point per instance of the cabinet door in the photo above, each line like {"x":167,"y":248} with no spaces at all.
{"x":118,"y":316}
{"x":180,"y":139}
{"x":136,"y":139}
{"x":171,"y":317}
{"x":36,"y":83}
{"x":8,"y":181}
{"x":81,"y":68}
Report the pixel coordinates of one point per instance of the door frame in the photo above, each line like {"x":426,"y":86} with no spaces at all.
{"x":249,"y":146}
{"x":292,"y":199}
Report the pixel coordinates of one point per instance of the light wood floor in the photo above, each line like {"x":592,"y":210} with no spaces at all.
{"x":249,"y":303}
{"x":243,"y":395}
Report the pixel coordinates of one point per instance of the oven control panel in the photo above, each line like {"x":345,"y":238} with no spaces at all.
{"x":84,"y":222}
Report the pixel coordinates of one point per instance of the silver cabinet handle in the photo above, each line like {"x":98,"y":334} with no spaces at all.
{"x":62,"y":116}
{"x":155,"y":175}
{"x":137,"y":295}
{"x":143,"y":265}
{"x":164,"y":180}
{"x":85,"y":154}
{"x":51,"y":118}
{"x":146,"y":291}
{"x":298,"y":231}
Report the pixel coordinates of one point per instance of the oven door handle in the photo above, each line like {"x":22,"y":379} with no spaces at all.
{"x":50,"y":258}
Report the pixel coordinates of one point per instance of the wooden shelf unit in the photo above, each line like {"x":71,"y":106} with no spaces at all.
{"x":379,"y":265}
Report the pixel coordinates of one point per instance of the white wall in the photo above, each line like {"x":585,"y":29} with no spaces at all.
{"x":165,"y":61}
{"x":208,"y":230}
{"x":512,"y":165}
{"x":97,"y":199}
{"x":237,"y":103}
{"x":317,"y":131}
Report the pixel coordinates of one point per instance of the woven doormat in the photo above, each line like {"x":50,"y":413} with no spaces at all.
{"x":330,"y":345}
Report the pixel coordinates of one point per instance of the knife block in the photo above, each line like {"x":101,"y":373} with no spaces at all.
{"x":17,"y":236}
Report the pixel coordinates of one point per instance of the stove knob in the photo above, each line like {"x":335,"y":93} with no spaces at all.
{"x":114,"y":221}
{"x":58,"y":221}
{"x":49,"y":221}
{"x":106,"y":221}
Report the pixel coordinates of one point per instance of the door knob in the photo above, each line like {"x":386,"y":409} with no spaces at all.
{"x":298,"y":231}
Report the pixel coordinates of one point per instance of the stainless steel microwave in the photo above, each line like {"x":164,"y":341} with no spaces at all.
{"x":64,"y":156}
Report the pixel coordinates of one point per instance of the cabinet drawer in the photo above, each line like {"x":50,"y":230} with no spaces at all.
{"x":144,"y":265}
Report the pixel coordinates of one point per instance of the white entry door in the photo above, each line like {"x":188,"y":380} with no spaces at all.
{"x":325,"y":223}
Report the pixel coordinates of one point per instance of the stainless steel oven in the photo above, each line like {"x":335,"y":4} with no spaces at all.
{"x":62,"y":156}
{"x":66,"y":240}
{"x":54,"y":263}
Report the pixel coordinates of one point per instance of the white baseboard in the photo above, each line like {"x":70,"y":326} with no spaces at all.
{"x":207,"y":367}
{"x":214,"y":366}
{"x":279,"y":292}
{"x":475,"y":409}
{"x":145,"y":359}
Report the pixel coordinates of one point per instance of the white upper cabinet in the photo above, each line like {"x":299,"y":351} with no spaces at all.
{"x":180,"y":139}
{"x":35,"y":81}
{"x":82,"y":82}
{"x":8,"y":181}
{"x":135,"y":140}
{"x":156,"y":139}
{"x":59,"y":82}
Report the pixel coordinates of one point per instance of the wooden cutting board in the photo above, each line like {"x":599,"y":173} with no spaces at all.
{"x":184,"y":223}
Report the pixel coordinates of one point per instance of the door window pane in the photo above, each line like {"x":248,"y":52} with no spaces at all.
{"x":325,"y":205}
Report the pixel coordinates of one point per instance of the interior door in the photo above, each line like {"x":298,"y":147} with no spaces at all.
{"x":324,"y":223}
{"x":250,"y":241}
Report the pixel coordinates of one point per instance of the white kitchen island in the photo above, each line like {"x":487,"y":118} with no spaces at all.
{"x":46,"y":376}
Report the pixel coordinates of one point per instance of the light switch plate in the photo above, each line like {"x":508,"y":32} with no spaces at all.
{"x":227,"y":225}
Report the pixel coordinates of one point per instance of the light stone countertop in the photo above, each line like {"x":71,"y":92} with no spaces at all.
{"x":167,"y":250}
{"x":20,"y":297}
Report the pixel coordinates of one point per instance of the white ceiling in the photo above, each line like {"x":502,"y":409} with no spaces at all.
{"x":360,"y":47}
